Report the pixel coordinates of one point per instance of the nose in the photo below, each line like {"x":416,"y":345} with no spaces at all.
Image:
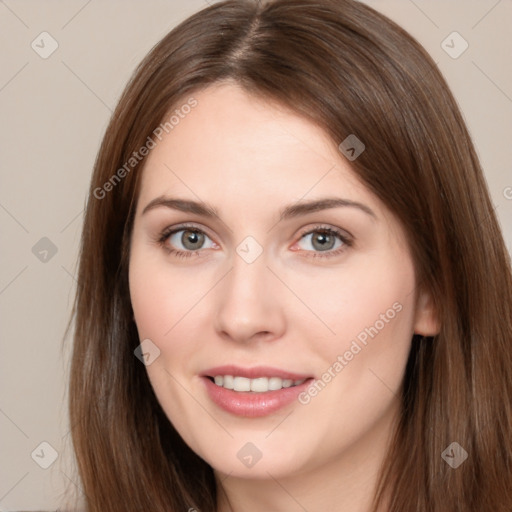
{"x":249,"y":303}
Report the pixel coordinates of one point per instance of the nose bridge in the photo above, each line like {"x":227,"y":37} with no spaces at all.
{"x":247,"y":281}
{"x":248,"y":303}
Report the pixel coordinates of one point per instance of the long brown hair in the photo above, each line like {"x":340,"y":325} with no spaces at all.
{"x":350,"y":70}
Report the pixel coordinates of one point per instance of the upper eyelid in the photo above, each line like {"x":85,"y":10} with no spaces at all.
{"x":185,"y":226}
{"x":324,"y":227}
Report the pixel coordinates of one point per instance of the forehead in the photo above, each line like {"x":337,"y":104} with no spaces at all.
{"x":233,"y":144}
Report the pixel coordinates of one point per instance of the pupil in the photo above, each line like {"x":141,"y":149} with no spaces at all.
{"x":192,"y":239}
{"x":324,"y":240}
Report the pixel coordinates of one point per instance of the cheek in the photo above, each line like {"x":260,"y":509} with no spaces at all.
{"x":161,"y":315}
{"x":371,"y":312}
{"x":362,"y":364}
{"x":168,"y":307}
{"x":160,"y":296}
{"x":149,"y":302}
{"x":155,"y":301}
{"x":373,"y":298}
{"x":373,"y":330}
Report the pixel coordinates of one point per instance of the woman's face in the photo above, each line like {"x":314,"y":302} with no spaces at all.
{"x":259,"y":261}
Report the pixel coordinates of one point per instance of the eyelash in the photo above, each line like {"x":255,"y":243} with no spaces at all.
{"x":344,"y":238}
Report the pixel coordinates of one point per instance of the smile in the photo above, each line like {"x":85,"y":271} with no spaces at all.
{"x":258,"y":385}
{"x":253,"y":392}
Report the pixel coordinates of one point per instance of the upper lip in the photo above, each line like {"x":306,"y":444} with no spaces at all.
{"x":253,"y":373}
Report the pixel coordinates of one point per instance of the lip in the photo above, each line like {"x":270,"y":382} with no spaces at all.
{"x":249,"y":404}
{"x":253,"y":373}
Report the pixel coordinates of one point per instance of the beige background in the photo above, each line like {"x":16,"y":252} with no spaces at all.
{"x":54,"y":112}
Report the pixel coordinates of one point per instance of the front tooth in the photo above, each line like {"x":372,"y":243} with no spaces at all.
{"x":242,"y":384}
{"x":229,"y":382}
{"x":259,"y":385}
{"x":275,"y":383}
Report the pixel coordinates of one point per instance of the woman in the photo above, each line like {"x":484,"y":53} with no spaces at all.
{"x":293,"y":291}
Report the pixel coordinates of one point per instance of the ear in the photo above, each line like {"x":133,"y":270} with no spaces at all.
{"x":426,"y":321}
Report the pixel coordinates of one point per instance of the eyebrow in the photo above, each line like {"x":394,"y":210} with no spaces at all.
{"x":290,"y":211}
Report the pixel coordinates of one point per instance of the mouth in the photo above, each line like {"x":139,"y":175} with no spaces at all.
{"x":258,"y":385}
{"x":253,"y":392}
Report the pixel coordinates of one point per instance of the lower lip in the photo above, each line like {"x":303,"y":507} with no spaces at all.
{"x":251,"y":404}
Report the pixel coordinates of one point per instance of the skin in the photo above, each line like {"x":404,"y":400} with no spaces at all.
{"x":249,"y":158}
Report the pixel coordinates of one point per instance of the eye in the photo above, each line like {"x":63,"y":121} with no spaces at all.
{"x":324,"y":240}
{"x":190,"y":239}
{"x":184,"y":241}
